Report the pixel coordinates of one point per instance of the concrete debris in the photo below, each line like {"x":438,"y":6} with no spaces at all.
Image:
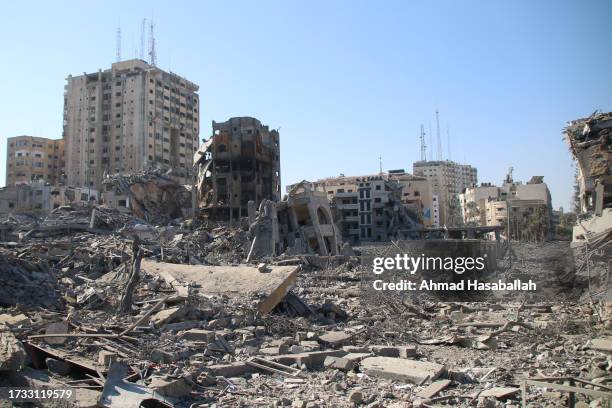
{"x":433,"y":389}
{"x":151,"y":196}
{"x":12,"y":353}
{"x":274,"y":309}
{"x":404,"y":370}
{"x":602,"y":345}
{"x":231,"y":281}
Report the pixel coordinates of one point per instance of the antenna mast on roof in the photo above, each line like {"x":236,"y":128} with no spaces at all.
{"x":438,"y":135}
{"x":152,"y":54}
{"x":423,"y":145}
{"x":448,"y":140}
{"x":143,"y":29}
{"x":118,"y":44}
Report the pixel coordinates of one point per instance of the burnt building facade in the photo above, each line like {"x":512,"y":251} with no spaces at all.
{"x":238,"y":164}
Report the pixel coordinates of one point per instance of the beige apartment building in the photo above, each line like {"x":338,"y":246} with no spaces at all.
{"x":489,"y":205}
{"x":448,"y":180}
{"x":417,"y":194}
{"x":30,"y":158}
{"x":131,"y":117}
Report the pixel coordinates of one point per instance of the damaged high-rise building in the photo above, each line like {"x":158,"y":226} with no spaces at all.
{"x":239,"y":163}
{"x":129,"y":118}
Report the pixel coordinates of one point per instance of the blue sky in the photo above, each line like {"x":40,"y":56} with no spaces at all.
{"x":345,"y":81}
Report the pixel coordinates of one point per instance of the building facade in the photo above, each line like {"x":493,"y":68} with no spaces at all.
{"x":39,"y":196}
{"x":131,"y":117}
{"x":238,"y":164}
{"x":529,"y":207}
{"x":417,"y":194}
{"x":30,"y":158}
{"x":373,"y":208}
{"x":448,"y":180}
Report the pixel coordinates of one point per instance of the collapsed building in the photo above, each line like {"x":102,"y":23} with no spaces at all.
{"x":590,"y":141}
{"x":300,"y":224}
{"x":369,"y":208}
{"x":149,"y":195}
{"x":238,"y":164}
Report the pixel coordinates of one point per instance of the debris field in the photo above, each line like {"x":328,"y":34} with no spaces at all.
{"x":129,"y":313}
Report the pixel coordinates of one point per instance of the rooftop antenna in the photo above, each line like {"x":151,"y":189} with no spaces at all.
{"x":448,"y":141}
{"x":152,"y":54}
{"x":438,"y":135}
{"x":143,"y":29}
{"x":423,"y":145}
{"x":430,"y":142}
{"x":118,"y":45}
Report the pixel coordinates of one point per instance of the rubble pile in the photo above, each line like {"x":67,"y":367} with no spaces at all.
{"x":151,"y":195}
{"x":124,"y":310}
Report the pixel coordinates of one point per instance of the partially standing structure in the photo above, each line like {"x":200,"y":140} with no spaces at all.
{"x":129,"y":118}
{"x":238,"y":164}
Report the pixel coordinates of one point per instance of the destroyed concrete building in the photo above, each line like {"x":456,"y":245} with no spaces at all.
{"x":152,"y":196}
{"x":41,"y":197}
{"x":302,"y":223}
{"x":239,"y":163}
{"x":370,"y":208}
{"x":590,"y":142}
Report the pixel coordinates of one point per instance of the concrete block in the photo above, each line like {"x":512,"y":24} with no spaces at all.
{"x":105,"y":357}
{"x":199,"y":335}
{"x":405,"y":370}
{"x":335,"y":338}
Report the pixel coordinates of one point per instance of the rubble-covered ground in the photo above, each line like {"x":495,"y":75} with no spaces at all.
{"x":331,"y":342}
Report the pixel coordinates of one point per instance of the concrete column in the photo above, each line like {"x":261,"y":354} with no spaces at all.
{"x":251,"y":211}
{"x":312,"y":211}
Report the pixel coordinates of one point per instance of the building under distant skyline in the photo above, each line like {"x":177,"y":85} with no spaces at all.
{"x":30,"y":158}
{"x":448,"y":180}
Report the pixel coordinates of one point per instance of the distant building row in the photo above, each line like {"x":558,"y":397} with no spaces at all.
{"x":525,"y":208}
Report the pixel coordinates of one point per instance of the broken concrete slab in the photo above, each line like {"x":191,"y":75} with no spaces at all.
{"x":602,"y":344}
{"x":199,"y":335}
{"x":400,"y":369}
{"x":311,"y":360}
{"x":12,"y":353}
{"x":433,"y":388}
{"x":230,"y":280}
{"x":168,"y":315}
{"x":14,"y":320}
{"x":339,"y":363}
{"x":172,"y":387}
{"x":499,"y":392}
{"x":394,"y":351}
{"x":236,"y":369}
{"x":335,"y":338}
